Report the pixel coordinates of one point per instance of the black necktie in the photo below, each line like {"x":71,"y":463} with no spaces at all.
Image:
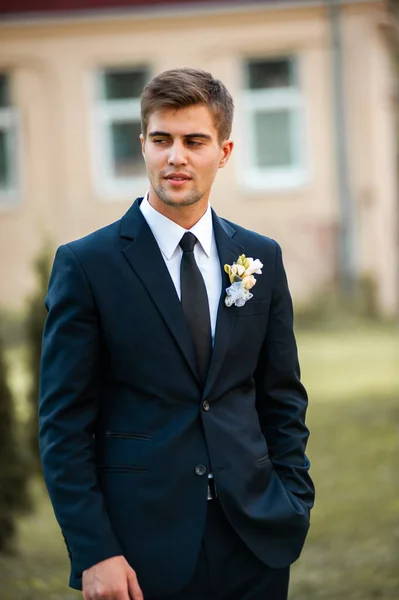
{"x":195,"y":304}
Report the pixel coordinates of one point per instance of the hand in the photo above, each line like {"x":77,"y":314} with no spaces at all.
{"x":111,"y":579}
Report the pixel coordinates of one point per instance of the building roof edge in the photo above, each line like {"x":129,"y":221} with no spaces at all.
{"x":157,"y":11}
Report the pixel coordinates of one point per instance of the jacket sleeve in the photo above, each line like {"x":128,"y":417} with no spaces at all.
{"x":280,"y":396}
{"x":68,"y":408}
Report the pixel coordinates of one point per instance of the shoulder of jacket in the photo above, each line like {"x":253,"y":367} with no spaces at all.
{"x":100,"y":238}
{"x":243,"y":235}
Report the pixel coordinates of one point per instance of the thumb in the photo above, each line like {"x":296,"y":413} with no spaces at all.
{"x":135,"y":592}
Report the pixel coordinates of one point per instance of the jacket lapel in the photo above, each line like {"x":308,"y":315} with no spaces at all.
{"x":229,"y":250}
{"x":145,"y":258}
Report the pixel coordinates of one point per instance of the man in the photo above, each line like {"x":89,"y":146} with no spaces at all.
{"x":172,"y":417}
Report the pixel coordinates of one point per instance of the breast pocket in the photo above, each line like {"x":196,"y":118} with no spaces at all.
{"x":254,"y":307}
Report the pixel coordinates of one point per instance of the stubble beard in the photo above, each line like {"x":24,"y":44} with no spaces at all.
{"x":191,"y":198}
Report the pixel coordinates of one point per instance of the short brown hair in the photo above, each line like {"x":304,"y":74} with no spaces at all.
{"x":179,"y":88}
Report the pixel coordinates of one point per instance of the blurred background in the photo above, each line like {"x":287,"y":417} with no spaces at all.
{"x":316,"y":88}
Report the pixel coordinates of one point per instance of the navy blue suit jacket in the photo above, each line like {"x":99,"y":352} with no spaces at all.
{"x":122,"y":428}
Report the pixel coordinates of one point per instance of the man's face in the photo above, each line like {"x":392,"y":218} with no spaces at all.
{"x":182,"y":154}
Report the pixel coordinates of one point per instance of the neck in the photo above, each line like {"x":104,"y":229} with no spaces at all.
{"x":185,"y":216}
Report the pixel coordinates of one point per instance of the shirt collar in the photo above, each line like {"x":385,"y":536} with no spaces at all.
{"x":168,"y":233}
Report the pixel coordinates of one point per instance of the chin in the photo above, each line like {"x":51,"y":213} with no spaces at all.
{"x":178,"y":199}
{"x":182,"y":202}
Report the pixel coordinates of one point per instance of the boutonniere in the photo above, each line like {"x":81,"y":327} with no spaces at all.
{"x":241,"y":274}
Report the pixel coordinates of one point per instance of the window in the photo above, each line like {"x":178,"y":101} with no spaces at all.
{"x":8,"y":158}
{"x":274,"y":124}
{"x":119,"y":165}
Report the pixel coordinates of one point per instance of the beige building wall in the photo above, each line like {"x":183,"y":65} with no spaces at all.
{"x":371,"y":99}
{"x":54,"y":64}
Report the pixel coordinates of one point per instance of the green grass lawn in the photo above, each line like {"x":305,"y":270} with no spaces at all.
{"x":352,"y":552}
{"x":351,"y":363}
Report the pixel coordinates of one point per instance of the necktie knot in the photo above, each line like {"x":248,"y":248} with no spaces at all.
{"x":188,"y":242}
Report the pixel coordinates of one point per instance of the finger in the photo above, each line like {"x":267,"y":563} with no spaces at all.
{"x":134,"y":588}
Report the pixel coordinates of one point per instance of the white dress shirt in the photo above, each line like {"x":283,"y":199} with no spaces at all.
{"x":168,"y":235}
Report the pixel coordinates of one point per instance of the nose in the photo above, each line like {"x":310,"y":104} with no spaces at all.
{"x":177,"y":155}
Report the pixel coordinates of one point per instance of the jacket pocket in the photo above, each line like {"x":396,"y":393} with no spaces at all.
{"x":122,"y":468}
{"x":127,"y":435}
{"x":253,"y":307}
{"x":125,"y":450}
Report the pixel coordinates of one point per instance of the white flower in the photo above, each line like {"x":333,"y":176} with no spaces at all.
{"x":237,"y":294}
{"x":254,"y":267}
{"x":236,"y":270}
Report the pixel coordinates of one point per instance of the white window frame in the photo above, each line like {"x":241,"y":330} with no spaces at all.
{"x":264,"y":100}
{"x":104,"y":112}
{"x":9,"y":123}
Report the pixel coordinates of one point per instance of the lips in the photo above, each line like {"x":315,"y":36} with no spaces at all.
{"x":177,"y":180}
{"x":177,"y":177}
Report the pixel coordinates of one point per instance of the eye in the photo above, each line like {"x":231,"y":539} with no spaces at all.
{"x":160,"y":141}
{"x":194,"y":144}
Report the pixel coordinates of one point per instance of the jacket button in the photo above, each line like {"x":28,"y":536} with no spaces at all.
{"x":205,"y":405}
{"x":200,"y":470}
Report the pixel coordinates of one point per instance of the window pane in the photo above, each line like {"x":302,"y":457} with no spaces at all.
{"x":5,"y":175}
{"x":127,"y":160}
{"x":4,"y":95}
{"x":273,"y":139}
{"x":268,"y":74}
{"x":122,"y":85}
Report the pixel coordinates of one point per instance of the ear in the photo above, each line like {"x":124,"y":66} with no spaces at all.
{"x":226,"y":149}
{"x":142,"y":140}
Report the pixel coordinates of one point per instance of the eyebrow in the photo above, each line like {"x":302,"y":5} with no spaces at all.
{"x":203,"y":136}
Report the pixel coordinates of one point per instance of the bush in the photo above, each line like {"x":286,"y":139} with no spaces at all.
{"x":36,"y":316}
{"x":330,"y":309}
{"x":14,"y":497}
{"x":12,"y":327}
